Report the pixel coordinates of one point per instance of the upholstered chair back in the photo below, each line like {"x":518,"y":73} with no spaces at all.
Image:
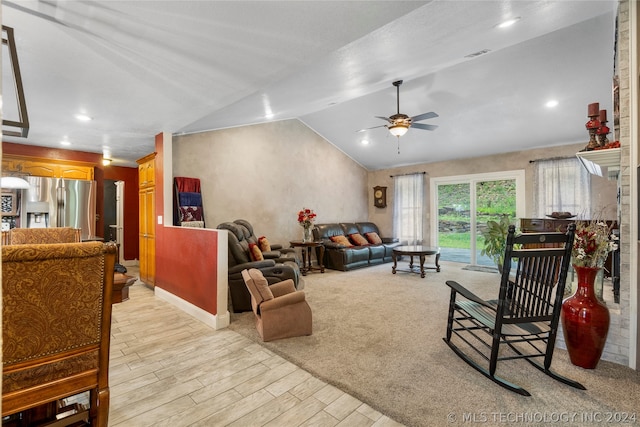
{"x":367,"y":227}
{"x":237,"y":243}
{"x":247,"y":230}
{"x":56,"y":324}
{"x":24,"y":236}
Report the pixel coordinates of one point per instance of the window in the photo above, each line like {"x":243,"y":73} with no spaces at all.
{"x":408,"y":213}
{"x":561,"y":185}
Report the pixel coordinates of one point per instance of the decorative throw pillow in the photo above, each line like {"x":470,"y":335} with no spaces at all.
{"x":265,"y":246}
{"x":341,"y":240}
{"x":261,"y":285}
{"x":373,"y":238}
{"x":358,"y":240}
{"x":255,"y":252}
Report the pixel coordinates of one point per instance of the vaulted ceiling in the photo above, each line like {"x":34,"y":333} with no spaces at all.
{"x":143,"y":67}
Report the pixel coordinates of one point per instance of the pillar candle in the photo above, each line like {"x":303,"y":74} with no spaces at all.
{"x":603,"y":116}
{"x":593,"y":109}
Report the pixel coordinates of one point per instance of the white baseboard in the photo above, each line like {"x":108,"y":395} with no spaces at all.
{"x":216,"y":321}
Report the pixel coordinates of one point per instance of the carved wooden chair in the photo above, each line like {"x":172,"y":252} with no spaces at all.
{"x":56,"y":325}
{"x":23,"y":236}
{"x":525,"y":316}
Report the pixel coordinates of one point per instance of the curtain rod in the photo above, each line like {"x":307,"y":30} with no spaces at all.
{"x":411,"y":173}
{"x":552,"y":158}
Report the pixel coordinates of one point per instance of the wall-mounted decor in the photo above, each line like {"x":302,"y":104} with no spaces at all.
{"x":9,"y":203}
{"x":380,"y":197}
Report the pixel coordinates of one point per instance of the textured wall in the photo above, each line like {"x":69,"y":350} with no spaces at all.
{"x":266,"y":173}
{"x":618,"y":341}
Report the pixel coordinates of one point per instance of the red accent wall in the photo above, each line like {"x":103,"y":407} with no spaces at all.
{"x":130,"y":208}
{"x":186,"y":265}
{"x":129,"y":175}
{"x":186,"y":258}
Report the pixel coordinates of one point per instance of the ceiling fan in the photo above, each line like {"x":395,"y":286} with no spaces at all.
{"x":400,"y":123}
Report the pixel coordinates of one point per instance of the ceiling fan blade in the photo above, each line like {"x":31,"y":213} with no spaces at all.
{"x":423,"y":126}
{"x":375,"y":127}
{"x":384,"y":118}
{"x":424,"y":116}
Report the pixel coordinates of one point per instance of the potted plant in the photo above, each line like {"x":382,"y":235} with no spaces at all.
{"x":495,"y":237}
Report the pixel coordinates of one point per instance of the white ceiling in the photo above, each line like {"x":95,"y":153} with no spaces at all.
{"x":144,"y":67}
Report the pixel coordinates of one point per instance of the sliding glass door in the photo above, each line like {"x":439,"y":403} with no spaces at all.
{"x":463,"y":205}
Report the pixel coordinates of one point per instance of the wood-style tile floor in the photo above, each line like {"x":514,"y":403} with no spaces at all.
{"x":169,"y":369}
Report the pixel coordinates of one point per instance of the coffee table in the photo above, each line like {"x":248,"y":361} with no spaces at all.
{"x":419,"y":251}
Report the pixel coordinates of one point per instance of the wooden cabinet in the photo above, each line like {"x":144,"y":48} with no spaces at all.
{"x":537,"y":225}
{"x":147,"y":225}
{"x":147,"y":172}
{"x":47,"y":168}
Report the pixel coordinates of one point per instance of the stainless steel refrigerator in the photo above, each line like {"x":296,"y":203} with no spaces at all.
{"x":58,"y":202}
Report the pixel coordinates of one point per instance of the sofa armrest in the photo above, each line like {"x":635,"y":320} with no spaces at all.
{"x":282,"y":301}
{"x":255,"y":264}
{"x":328,"y":244}
{"x":272,"y":254}
{"x":390,"y":239}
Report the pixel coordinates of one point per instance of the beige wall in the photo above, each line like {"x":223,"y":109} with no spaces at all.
{"x":603,"y":191}
{"x":266,"y":173}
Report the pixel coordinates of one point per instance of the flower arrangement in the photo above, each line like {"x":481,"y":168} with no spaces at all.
{"x":306,"y":217}
{"x":592,"y":243}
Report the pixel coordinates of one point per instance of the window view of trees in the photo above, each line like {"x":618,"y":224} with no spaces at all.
{"x":492,"y":199}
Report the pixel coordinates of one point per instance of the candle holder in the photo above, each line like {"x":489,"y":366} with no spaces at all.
{"x":592,"y":126}
{"x":603,"y":130}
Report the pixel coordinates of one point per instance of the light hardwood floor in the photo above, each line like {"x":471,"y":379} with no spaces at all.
{"x":169,"y":369}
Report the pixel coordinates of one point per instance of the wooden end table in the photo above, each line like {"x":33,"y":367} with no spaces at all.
{"x":121,"y":283}
{"x":416,"y":250}
{"x":307,"y":248}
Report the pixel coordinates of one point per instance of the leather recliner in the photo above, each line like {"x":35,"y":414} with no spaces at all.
{"x":275,"y":267}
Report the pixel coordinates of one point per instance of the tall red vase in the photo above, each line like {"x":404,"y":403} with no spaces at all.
{"x":585,"y":321}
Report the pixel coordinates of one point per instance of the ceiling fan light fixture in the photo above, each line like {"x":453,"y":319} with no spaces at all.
{"x":398,"y":129}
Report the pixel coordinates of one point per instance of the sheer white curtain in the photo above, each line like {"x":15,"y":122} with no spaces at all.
{"x":408,"y":211}
{"x":562,"y":185}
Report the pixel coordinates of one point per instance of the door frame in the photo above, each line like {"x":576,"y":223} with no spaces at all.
{"x":471,"y":179}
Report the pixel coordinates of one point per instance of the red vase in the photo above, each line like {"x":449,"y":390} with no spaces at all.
{"x":585,"y":321}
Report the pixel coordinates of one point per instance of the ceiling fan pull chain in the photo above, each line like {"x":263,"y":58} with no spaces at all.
{"x":398,"y":145}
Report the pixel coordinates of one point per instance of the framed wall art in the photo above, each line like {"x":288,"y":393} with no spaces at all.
{"x":9,"y":203}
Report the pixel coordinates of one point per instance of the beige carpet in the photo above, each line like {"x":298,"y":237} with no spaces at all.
{"x":378,"y":336}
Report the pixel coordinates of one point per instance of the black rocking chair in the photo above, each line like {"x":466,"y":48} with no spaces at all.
{"x":526,"y":314}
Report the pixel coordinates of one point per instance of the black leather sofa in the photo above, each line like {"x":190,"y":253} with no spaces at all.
{"x":341,"y":257}
{"x":279,"y":264}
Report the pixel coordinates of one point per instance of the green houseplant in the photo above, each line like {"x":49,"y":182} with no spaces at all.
{"x":495,"y":237}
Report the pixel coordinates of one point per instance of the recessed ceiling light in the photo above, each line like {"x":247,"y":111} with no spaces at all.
{"x":508,"y":23}
{"x":83,"y":117}
{"x":552,"y":103}
{"x":365,"y":142}
{"x":65,"y":142}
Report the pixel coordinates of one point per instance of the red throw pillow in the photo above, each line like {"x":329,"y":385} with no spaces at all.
{"x":341,"y":240}
{"x":255,"y":252}
{"x":265,"y":246}
{"x":373,"y":238}
{"x":358,"y":240}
